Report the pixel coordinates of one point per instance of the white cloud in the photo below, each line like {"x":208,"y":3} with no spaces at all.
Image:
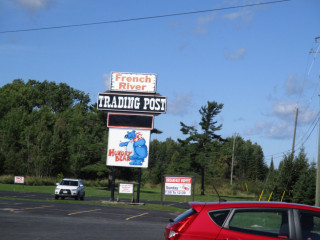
{"x":243,"y":14}
{"x":307,"y":115}
{"x":280,"y":131}
{"x":200,"y":29}
{"x":239,"y":53}
{"x":284,"y":110}
{"x":180,"y":104}
{"x":202,"y":24}
{"x":34,"y":5}
{"x":258,"y":128}
{"x":293,"y":85}
{"x":206,"y":19}
{"x":287,"y":112}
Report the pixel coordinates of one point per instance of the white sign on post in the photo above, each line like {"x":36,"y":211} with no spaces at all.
{"x":18,"y":179}
{"x":126,"y":188}
{"x":181,"y":186}
{"x":133,"y":82}
{"x":128,"y":147}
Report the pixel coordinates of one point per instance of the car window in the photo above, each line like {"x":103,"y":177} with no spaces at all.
{"x":265,"y":222}
{"x":219,"y":216}
{"x":73,"y":183}
{"x":63,"y":182}
{"x":310,"y":225}
{"x":184,"y":215}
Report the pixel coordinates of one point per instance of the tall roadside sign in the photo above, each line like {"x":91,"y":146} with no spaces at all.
{"x":131,"y":104}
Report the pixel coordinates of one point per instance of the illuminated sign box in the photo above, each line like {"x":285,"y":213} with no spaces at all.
{"x":130,"y":121}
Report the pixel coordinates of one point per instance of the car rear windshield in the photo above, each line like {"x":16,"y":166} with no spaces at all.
{"x":184,"y":215}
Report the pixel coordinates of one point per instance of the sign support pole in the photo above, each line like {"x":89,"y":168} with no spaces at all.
{"x":139,"y":183}
{"x":113,"y":183}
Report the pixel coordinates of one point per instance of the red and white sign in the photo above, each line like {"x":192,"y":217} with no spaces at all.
{"x":133,"y":82}
{"x":181,"y":186}
{"x":128,"y":147}
{"x":18,"y":179}
{"x":126,"y":188}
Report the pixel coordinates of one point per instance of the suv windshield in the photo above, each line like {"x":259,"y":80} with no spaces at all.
{"x":69,"y":183}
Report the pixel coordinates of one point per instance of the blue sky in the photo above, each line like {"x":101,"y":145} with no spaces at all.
{"x":254,"y":60}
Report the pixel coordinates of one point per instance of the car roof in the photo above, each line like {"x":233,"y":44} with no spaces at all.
{"x":71,"y":179}
{"x":198,"y":206}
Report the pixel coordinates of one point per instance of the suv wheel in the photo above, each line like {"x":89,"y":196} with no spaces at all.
{"x":82,"y":197}
{"x":56,"y":197}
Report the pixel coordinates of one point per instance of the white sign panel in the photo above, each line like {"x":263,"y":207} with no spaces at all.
{"x":128,"y":147}
{"x":126,"y":188}
{"x":133,"y":82}
{"x":18,"y":179}
{"x":178,"y":186}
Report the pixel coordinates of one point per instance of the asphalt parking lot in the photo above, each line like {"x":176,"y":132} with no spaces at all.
{"x":46,"y":196}
{"x":28,"y":219}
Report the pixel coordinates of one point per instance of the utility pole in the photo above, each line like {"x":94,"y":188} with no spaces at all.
{"x":317,"y":201}
{"x":318,"y":172}
{"x":294,"y":134}
{"x":234,"y":142}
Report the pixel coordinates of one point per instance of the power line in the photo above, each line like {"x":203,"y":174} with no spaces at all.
{"x":306,"y":135}
{"x":141,"y":18}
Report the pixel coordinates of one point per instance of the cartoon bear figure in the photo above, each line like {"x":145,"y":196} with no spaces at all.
{"x":137,"y":146}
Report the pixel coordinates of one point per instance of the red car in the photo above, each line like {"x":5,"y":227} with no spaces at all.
{"x":246,"y":221}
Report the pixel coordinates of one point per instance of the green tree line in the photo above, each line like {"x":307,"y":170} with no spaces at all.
{"x":48,"y":129}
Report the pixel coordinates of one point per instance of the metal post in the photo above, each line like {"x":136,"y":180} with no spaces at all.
{"x":113,"y":183}
{"x":202,"y":180}
{"x":139,"y":183}
{"x":162,"y":188}
{"x":317,"y":202}
{"x":294,"y":134}
{"x":234,"y":141}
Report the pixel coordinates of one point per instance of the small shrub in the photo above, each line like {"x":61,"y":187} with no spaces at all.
{"x":7,"y":179}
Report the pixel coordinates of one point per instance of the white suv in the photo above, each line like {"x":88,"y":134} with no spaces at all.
{"x":70,"y":187}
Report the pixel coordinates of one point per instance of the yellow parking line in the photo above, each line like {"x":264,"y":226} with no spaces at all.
{"x":136,"y":216}
{"x":83,"y":212}
{"x":22,"y":209}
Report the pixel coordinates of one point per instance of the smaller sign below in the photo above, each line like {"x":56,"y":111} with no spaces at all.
{"x":126,"y":188}
{"x":133,"y":82}
{"x":177,"y":185}
{"x":18,"y":179}
{"x":130,"y":121}
{"x":128,"y":147}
